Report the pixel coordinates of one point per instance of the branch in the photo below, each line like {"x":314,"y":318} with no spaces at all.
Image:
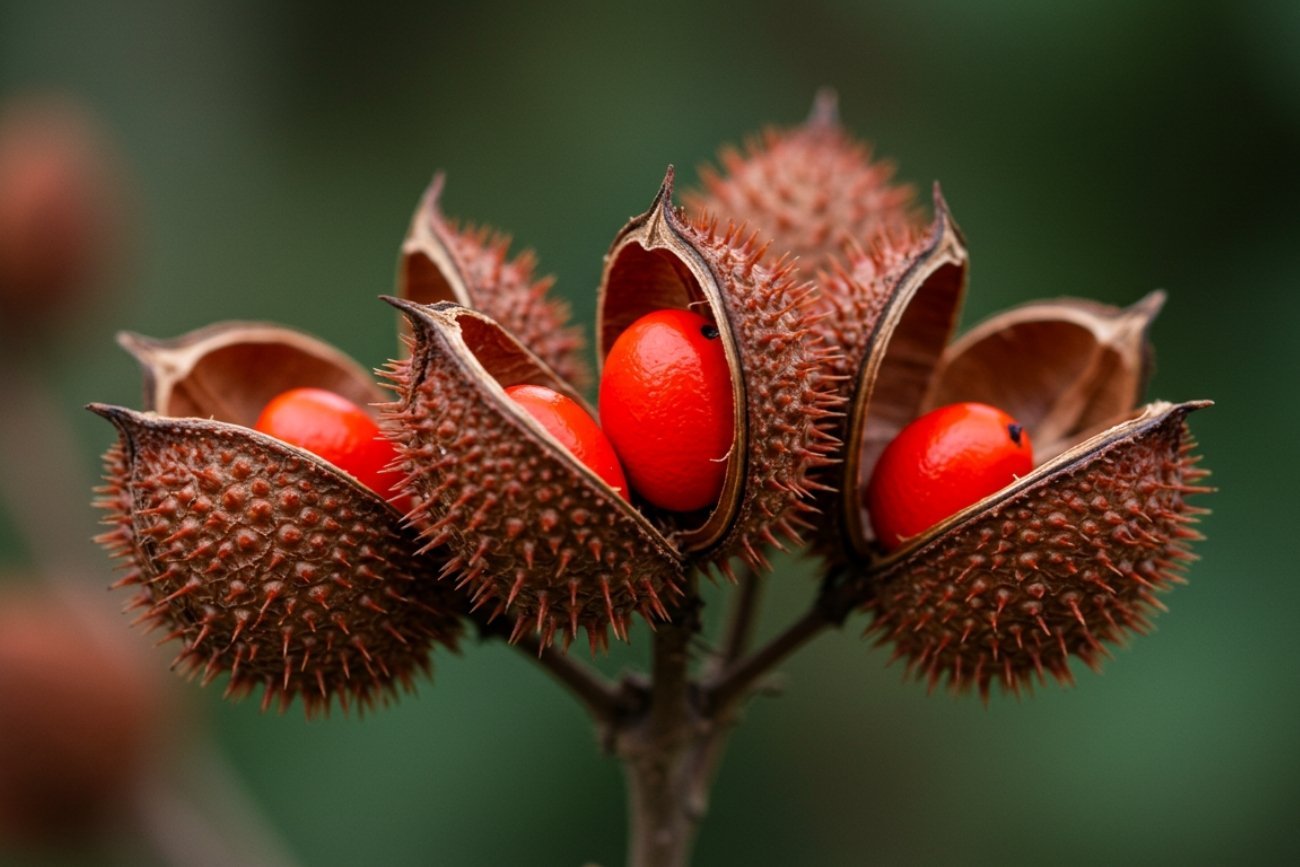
{"x":834,"y":602}
{"x":739,"y":629}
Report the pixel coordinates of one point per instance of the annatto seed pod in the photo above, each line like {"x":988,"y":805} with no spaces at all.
{"x":78,"y":720}
{"x":59,"y":212}
{"x":1061,"y":560}
{"x":268,"y":563}
{"x":538,"y":536}
{"x":809,"y":189}
{"x":781,"y":371}
{"x":469,"y":266}
{"x":815,"y":195}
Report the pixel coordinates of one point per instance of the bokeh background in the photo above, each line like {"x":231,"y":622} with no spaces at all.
{"x":1102,"y":149}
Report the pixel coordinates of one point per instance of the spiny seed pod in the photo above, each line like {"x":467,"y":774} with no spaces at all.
{"x":783,"y":396}
{"x":1065,"y":557}
{"x":537,"y":535}
{"x":814,"y":192}
{"x":809,"y":190}
{"x":79,"y":719}
{"x":468,"y":266}
{"x":1052,"y":566}
{"x":268,"y":563}
{"x":59,"y":217}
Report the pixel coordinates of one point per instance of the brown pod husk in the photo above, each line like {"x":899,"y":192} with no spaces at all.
{"x":918,"y":296}
{"x":232,"y":542}
{"x":1063,"y":368}
{"x":783,"y":395}
{"x":268,"y":563}
{"x":809,"y":189}
{"x":1050,"y":567}
{"x":469,"y":266}
{"x":231,"y":370}
{"x":536,"y":534}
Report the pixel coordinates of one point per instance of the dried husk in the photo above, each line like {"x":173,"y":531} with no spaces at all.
{"x":537,"y":536}
{"x":229,"y":371}
{"x":1063,"y":368}
{"x":266,"y":561}
{"x":470,"y":266}
{"x":782,"y":389}
{"x":922,"y":294}
{"x":1052,"y":566}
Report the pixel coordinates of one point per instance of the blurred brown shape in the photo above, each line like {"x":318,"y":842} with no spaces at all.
{"x":77,"y":716}
{"x":59,"y":209}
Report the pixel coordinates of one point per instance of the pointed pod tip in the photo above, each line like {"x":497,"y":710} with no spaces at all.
{"x":940,"y":203}
{"x":943,"y":220}
{"x":140,"y":346}
{"x":825,"y":111}
{"x":661,"y":215}
{"x":1150,"y":304}
{"x":431,"y":201}
{"x":664,"y":197}
{"x":120,"y":416}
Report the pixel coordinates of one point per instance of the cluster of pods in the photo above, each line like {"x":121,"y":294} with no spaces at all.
{"x":834,"y":301}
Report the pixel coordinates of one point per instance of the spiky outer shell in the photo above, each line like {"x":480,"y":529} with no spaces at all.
{"x":487,"y":279}
{"x":268,"y":565}
{"x":1053,"y":571}
{"x":853,"y":293}
{"x":790,"y":399}
{"x":808,"y":189}
{"x":534,"y":538}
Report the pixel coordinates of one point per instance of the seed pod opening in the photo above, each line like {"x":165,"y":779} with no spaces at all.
{"x":266,"y":561}
{"x":782,"y":396}
{"x":914,"y":325}
{"x":267,"y":564}
{"x":470,"y":267}
{"x":1064,"y":368}
{"x":228,"y":371}
{"x":536,"y":534}
{"x":1050,"y":567}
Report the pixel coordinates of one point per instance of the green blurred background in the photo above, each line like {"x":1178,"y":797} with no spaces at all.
{"x":1099,"y":149}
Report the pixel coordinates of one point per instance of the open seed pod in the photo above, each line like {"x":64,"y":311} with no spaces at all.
{"x":267,"y":562}
{"x":1060,"y":560}
{"x":1088,"y":367}
{"x":536,"y":534}
{"x":809,"y":189}
{"x":911,"y":298}
{"x":814,"y":191}
{"x":1051,"y":566}
{"x":783,"y":395}
{"x":469,"y":266}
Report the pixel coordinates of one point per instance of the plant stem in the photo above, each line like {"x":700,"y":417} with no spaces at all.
{"x":670,"y":731}
{"x":834,"y":602}
{"x":707,"y":755}
{"x":655,"y":749}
